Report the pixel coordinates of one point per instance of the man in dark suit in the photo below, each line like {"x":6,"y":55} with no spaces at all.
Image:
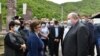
{"x":75,"y":42}
{"x":91,"y":39}
{"x":54,"y":39}
{"x":97,"y":37}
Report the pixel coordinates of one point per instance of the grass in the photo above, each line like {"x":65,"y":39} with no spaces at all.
{"x":1,"y":46}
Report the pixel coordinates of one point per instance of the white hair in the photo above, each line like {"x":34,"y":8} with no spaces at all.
{"x":74,"y":15}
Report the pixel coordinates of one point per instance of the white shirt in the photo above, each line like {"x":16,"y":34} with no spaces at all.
{"x":45,"y":32}
{"x":56,"y":32}
{"x":66,"y":31}
{"x":37,"y":34}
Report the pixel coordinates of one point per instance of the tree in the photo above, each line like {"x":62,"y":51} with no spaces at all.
{"x":11,"y":11}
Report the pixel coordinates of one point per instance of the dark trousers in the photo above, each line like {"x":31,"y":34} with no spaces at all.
{"x":97,"y":42}
{"x":56,"y":48}
{"x":98,"y":49}
{"x":45,"y":41}
{"x":53,"y":48}
{"x":91,"y":51}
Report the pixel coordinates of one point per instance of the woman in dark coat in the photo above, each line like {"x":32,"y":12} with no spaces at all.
{"x":13,"y":43}
{"x":35,"y":44}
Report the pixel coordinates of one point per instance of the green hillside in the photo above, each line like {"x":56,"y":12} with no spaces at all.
{"x":45,"y":9}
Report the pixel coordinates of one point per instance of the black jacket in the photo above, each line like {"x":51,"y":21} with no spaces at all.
{"x":12,"y":44}
{"x":52,"y":33}
{"x":76,"y":41}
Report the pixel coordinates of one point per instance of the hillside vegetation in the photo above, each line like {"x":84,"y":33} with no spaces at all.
{"x":46,"y":9}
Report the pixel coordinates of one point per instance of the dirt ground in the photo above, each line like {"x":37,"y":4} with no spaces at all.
{"x":1,"y":50}
{"x":1,"y":45}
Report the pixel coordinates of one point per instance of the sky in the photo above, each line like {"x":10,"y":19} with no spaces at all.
{"x":63,"y":1}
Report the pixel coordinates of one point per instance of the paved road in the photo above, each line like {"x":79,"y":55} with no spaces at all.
{"x":1,"y":51}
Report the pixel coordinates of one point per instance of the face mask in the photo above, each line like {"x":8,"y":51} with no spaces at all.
{"x":69,"y":23}
{"x":27,"y":28}
{"x":65,"y":25}
{"x":43,"y":25}
{"x":16,"y":28}
{"x":80,"y":20}
{"x":83,"y":20}
{"x":51,"y":24}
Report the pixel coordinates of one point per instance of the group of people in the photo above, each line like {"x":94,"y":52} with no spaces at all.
{"x":78,"y":37}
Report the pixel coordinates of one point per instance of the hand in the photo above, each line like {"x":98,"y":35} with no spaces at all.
{"x":23,"y":47}
{"x":56,"y":40}
{"x":46,"y":36}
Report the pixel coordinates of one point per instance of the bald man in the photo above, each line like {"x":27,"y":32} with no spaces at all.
{"x":75,"y":42}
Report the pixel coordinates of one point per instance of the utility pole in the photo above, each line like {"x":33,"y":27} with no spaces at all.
{"x":0,"y":19}
{"x":27,"y":13}
{"x":11,"y":11}
{"x":62,"y":13}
